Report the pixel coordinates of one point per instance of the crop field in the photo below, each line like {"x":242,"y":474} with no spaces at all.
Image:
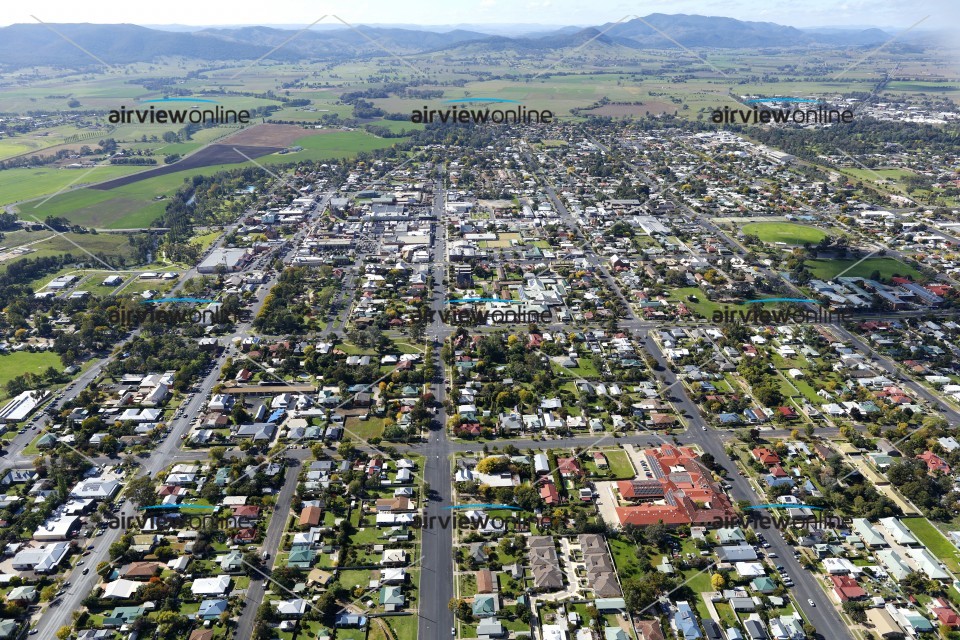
{"x":134,"y":203}
{"x":28,"y":183}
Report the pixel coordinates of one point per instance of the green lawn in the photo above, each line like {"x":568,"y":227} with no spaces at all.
{"x":792,"y":234}
{"x":935,"y":541}
{"x":468,"y":585}
{"x":625,"y":558}
{"x":702,"y":306}
{"x":829,"y":269}
{"x":404,"y":627}
{"x":20,"y":362}
{"x":620,"y":464}
{"x":364,"y":429}
{"x":584,"y":369}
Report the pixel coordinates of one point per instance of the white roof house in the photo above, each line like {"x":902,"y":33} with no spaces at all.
{"x":211,"y":586}
{"x":96,"y":488}
{"x":898,"y":531}
{"x":120,"y":589}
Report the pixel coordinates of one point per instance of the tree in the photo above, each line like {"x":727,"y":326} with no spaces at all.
{"x":527,"y":498}
{"x":855,"y":610}
{"x":47,"y":593}
{"x":64,"y":632}
{"x":657,"y":534}
{"x":140,"y":491}
{"x":460,"y":608}
{"x":718,"y":582}
{"x":493,"y":464}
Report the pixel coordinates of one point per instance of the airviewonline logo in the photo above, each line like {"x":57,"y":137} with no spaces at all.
{"x":152,"y":311}
{"x":165,"y":115}
{"x":475,"y":316}
{"x":459,"y":113}
{"x":759,"y":517}
{"x":756,"y":314}
{"x":758,"y":114}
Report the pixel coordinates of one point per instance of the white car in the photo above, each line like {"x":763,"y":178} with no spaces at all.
{"x":811,"y":602}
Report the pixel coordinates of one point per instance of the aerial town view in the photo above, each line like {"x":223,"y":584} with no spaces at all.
{"x":543,"y":320}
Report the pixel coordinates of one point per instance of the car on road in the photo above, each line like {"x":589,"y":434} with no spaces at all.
{"x":85,"y":571}
{"x":453,"y":631}
{"x":704,"y":427}
{"x":811,"y":602}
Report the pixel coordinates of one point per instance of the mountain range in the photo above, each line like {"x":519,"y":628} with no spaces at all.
{"x":50,"y":44}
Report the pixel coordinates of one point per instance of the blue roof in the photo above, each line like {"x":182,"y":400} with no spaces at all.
{"x":776,"y":482}
{"x":276,"y":415}
{"x":687,"y":621}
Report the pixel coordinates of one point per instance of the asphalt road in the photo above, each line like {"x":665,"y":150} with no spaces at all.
{"x":436,"y":570}
{"x":271,"y":543}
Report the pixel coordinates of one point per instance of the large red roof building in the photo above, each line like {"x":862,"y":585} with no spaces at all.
{"x":682,"y":491}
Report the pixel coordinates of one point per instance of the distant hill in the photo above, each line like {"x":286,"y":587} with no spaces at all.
{"x":35,"y":44}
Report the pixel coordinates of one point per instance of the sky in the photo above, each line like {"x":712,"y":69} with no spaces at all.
{"x":894,"y":15}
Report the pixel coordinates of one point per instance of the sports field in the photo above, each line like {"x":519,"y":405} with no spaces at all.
{"x":788,"y":232}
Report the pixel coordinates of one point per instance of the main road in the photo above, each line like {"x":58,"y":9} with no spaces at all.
{"x":436,"y":568}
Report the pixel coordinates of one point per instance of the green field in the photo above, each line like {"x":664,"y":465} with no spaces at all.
{"x":29,"y":182}
{"x":51,"y":245}
{"x":20,"y":362}
{"x":829,"y":269}
{"x":620,"y":464}
{"x":703,"y":306}
{"x":935,"y":541}
{"x":790,"y":233}
{"x":135,"y":205}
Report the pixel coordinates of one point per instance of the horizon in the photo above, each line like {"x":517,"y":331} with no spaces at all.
{"x":816,"y":14}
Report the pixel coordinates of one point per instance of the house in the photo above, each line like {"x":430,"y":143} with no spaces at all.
{"x":121,"y":589}
{"x":847,"y":588}
{"x":934,"y":463}
{"x":755,"y":628}
{"x":23,"y":595}
{"x":217,"y":586}
{"x":212,"y":609}
{"x":140,"y":570}
{"x":766,"y":456}
{"x":685,"y":621}
{"x":549,"y":494}
{"x":650,"y":629}
{"x":41,"y":560}
{"x":300,"y":557}
{"x":8,"y":628}
{"x":486,"y":581}
{"x":544,"y":563}
{"x":569,"y":467}
{"x":350,"y":620}
{"x":232,"y":562}
{"x":485,"y":605}
{"x":294,"y":608}
{"x":310,"y":516}
{"x":490,"y":628}
{"x":601,"y":575}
